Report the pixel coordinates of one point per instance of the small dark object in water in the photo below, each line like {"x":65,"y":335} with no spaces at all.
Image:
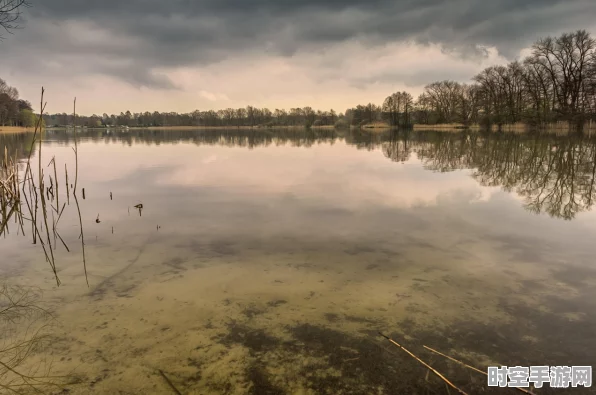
{"x":110,"y":195}
{"x":167,"y":380}
{"x":140,"y":208}
{"x":83,"y":193}
{"x":158,"y":227}
{"x":98,"y":221}
{"x":112,"y":230}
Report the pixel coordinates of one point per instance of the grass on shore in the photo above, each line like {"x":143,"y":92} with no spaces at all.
{"x":515,"y":127}
{"x":444,"y":126}
{"x":376,"y":125}
{"x":512,"y":127}
{"x":226,"y":127}
{"x":16,"y":129}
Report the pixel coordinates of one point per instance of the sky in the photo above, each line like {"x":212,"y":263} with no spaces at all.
{"x":183,"y":55}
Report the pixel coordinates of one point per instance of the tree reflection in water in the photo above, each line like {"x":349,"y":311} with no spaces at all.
{"x":554,"y":174}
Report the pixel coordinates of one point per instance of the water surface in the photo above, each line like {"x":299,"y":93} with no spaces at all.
{"x":266,"y":261}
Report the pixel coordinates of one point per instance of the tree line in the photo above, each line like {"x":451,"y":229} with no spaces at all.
{"x":557,"y":82}
{"x":13,"y":110}
{"x":239,"y":117}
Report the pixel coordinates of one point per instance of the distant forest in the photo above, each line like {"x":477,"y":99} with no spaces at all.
{"x":557,"y":82}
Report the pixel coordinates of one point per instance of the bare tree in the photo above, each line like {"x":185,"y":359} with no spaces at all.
{"x":397,"y":108}
{"x":10,"y":13}
{"x":444,"y":98}
{"x":540,"y":92}
{"x":469,"y":103}
{"x":568,"y":60}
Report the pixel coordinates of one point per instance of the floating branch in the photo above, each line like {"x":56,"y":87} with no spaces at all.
{"x":472,"y":368}
{"x":449,"y":383}
{"x":167,"y":380}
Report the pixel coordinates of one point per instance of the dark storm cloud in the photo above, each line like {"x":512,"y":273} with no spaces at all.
{"x":148,"y":34}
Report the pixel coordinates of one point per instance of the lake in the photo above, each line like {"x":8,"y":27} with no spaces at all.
{"x":266,"y":262}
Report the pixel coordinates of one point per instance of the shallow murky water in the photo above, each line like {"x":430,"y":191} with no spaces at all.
{"x":266,"y":262}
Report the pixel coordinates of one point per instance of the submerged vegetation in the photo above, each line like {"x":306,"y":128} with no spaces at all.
{"x":25,"y":328}
{"x":262,"y":345}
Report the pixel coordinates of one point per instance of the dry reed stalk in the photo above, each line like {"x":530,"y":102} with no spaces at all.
{"x":170,"y":384}
{"x":472,"y":368}
{"x":74,"y":192}
{"x":56,"y":179}
{"x":44,"y":208}
{"x":18,"y":193}
{"x":67,"y":189}
{"x":449,"y":383}
{"x":36,"y":197}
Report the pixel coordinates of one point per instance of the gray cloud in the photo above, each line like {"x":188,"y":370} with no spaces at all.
{"x":145,"y":35}
{"x":413,"y":78}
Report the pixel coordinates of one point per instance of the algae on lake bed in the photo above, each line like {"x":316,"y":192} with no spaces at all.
{"x":267,"y":277}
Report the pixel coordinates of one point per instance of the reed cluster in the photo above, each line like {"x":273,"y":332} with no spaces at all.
{"x":30,"y":199}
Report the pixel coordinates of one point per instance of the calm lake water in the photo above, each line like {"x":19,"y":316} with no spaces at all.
{"x":265,"y":262}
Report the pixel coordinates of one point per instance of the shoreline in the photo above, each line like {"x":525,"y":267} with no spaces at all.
{"x":510,"y":127}
{"x":517,"y":127}
{"x":15,"y":129}
{"x":323,"y":127}
{"x":445,"y":126}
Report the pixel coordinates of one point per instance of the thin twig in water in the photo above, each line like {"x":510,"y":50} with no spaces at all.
{"x":67,"y":189}
{"x":74,"y":192}
{"x":43,"y":200}
{"x":425,"y":364}
{"x":172,"y":386}
{"x":60,"y":213}
{"x":56,"y":179}
{"x":63,"y":243}
{"x":76,"y":148}
{"x":472,"y":368}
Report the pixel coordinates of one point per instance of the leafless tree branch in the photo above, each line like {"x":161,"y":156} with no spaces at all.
{"x":10,"y":14}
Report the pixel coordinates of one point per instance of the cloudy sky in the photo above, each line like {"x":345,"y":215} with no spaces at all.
{"x":182,"y":55}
